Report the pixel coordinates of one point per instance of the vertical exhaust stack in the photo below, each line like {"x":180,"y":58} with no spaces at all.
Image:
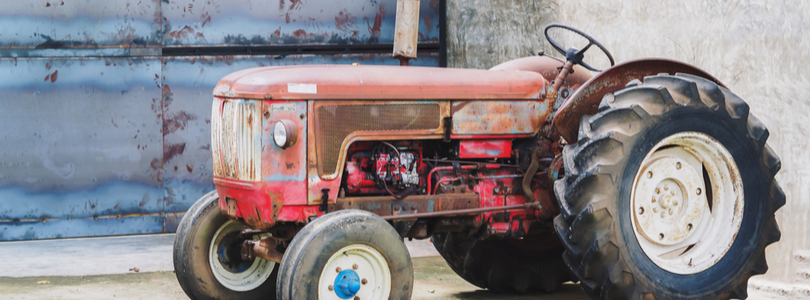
{"x":406,"y":31}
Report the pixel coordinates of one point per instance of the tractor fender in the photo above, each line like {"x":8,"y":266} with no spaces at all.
{"x":585,"y":100}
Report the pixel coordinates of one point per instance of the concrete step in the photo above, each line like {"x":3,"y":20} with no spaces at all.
{"x":771,"y":290}
{"x":802,"y":258}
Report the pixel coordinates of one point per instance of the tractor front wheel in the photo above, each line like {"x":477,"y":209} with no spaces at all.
{"x":349,"y":254}
{"x":207,"y":260}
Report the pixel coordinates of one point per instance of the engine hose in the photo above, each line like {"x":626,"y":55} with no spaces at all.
{"x":530,"y":172}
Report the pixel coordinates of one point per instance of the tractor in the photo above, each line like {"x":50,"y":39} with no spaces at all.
{"x":646,"y":180}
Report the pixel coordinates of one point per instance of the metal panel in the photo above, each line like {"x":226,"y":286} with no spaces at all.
{"x":187,"y":86}
{"x":40,"y":24}
{"x":80,"y":145}
{"x":289,"y":22}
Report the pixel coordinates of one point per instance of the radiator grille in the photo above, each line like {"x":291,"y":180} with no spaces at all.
{"x":336,"y":122}
{"x":236,"y":139}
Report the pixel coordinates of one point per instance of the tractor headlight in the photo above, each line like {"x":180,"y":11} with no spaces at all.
{"x":285,"y":133}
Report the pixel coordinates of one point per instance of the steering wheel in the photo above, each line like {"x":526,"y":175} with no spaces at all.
{"x":574,"y":55}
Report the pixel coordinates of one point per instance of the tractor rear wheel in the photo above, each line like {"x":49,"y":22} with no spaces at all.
{"x":669,"y":193}
{"x":505,"y":265}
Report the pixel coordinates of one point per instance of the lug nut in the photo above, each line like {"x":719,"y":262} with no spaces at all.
{"x":657,"y":190}
{"x":364,"y":281}
{"x":676,"y":203}
{"x":356,"y":297}
{"x":331,"y":288}
{"x":653,"y":199}
{"x":666,"y":187}
{"x":649,"y":174}
{"x":655,"y":209}
{"x":640,"y":210}
{"x":660,"y":236}
{"x":338,"y":269}
{"x":354,"y":266}
{"x":699,"y":191}
{"x":689,"y":226}
{"x":670,"y":211}
{"x":678,"y":165}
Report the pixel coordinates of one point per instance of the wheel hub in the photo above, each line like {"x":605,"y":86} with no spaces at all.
{"x":667,"y":200}
{"x":687,"y":202}
{"x":347,"y":284}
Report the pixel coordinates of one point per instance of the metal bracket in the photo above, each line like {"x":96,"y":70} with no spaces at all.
{"x":448,"y":128}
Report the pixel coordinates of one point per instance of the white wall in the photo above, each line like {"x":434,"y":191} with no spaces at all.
{"x":759,"y":48}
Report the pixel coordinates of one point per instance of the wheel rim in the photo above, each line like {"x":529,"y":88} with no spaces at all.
{"x":355,"y":271}
{"x":236,"y":274}
{"x":687,"y":203}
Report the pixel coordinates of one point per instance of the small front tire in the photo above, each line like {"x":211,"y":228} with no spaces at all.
{"x":345,"y":255}
{"x":206,"y":260}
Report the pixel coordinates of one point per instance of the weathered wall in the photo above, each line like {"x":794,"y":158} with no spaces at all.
{"x":759,"y":48}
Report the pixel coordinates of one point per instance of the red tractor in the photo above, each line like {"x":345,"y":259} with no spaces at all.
{"x":648,"y":180}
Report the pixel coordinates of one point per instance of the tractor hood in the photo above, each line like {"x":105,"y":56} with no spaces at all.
{"x":379,"y":82}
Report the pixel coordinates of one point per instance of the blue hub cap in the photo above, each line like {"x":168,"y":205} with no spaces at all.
{"x":347,"y":284}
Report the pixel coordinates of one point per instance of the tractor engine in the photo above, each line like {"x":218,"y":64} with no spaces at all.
{"x":384,"y":169}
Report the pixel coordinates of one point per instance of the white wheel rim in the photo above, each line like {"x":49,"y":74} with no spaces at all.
{"x":251,"y":278}
{"x":369,"y":265}
{"x":672,"y":220}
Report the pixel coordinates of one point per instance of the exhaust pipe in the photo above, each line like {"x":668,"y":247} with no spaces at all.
{"x":406,"y":31}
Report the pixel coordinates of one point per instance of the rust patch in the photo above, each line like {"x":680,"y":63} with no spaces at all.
{"x":178,"y":122}
{"x":188,"y":168}
{"x":170,"y":151}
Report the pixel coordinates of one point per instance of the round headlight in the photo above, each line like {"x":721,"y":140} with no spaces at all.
{"x":285,"y":133}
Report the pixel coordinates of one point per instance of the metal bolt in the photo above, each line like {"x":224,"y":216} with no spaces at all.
{"x":666,"y":187}
{"x":657,"y":190}
{"x":673,"y":192}
{"x":331,"y":288}
{"x":699,"y":191}
{"x":649,"y":174}
{"x":363,"y":281}
{"x":678,"y":165}
{"x":653,"y":200}
{"x":356,"y":297}
{"x":675,"y":203}
{"x":640,"y":210}
{"x":689,"y":226}
{"x":354,"y":266}
{"x":670,"y":211}
{"x":655,"y":209}
{"x":660,"y":236}
{"x":338,"y":269}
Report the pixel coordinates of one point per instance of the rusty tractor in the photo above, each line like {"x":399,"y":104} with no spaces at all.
{"x":649,"y":179}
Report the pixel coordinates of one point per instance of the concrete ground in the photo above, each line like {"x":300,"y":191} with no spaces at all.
{"x":104,"y":268}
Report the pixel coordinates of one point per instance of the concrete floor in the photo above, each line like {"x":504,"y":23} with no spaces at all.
{"x":100,"y":268}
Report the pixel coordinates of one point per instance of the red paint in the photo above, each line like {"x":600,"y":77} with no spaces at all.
{"x":172,"y":150}
{"x":374,"y":30}
{"x":343,"y":21}
{"x":260,"y":203}
{"x":178,"y":121}
{"x":337,"y":82}
{"x":300,"y":34}
{"x":485,"y":149}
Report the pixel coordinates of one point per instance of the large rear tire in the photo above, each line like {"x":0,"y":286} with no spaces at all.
{"x":505,"y":265}
{"x":205,"y":237}
{"x":669,"y":193}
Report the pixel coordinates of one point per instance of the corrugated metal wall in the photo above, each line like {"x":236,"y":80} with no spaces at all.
{"x":105,"y":104}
